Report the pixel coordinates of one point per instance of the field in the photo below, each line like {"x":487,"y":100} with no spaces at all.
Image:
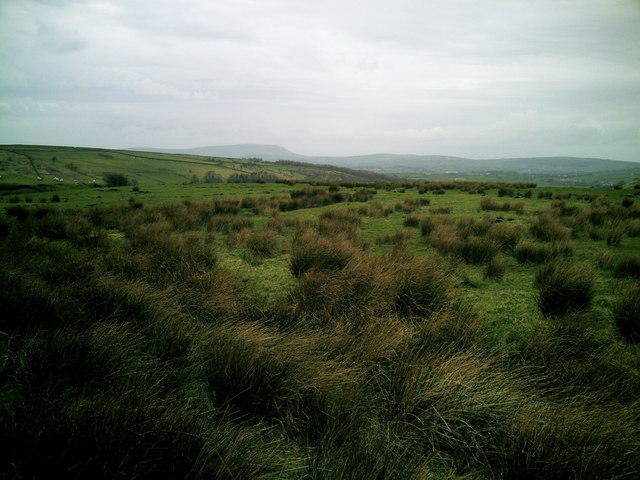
{"x":337,"y":330}
{"x":37,"y":166}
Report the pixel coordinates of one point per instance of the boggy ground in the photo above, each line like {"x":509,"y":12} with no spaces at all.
{"x":391,"y":331}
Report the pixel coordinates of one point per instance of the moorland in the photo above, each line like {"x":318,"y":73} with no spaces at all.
{"x":156,"y":325}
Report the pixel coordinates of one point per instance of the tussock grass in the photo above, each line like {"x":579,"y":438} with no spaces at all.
{"x":495,"y":269}
{"x":626,"y":313}
{"x":311,"y":251}
{"x":564,"y":286}
{"x":504,"y":235}
{"x":398,"y":238}
{"x":548,"y":229}
{"x":137,"y":343}
{"x":531,"y":252}
{"x":627,"y":266}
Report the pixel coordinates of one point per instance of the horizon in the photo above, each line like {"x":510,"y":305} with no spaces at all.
{"x":158,"y":149}
{"x":482,"y":80}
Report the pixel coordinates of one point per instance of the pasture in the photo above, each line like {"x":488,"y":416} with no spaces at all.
{"x":338,"y":330}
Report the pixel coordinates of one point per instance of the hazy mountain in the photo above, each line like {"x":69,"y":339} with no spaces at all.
{"x":397,"y":163}
{"x":245,"y":150}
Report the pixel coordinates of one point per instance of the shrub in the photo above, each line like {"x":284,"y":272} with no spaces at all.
{"x":626,"y":313}
{"x":628,"y":266}
{"x":563,"y":287}
{"x":115,"y":180}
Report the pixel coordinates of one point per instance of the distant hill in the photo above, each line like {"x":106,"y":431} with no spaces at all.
{"x":28,"y":164}
{"x":246,"y":150}
{"x":545,"y":170}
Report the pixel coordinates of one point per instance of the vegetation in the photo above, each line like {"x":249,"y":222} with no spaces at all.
{"x":337,"y":330}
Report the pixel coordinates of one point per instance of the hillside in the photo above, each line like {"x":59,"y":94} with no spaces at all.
{"x":27,"y":164}
{"x":575,"y":171}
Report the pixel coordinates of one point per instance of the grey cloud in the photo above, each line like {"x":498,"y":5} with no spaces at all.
{"x":330,"y":77}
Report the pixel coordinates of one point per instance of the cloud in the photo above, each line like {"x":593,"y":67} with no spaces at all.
{"x":479,"y":79}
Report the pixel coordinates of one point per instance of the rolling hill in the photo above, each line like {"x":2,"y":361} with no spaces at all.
{"x":28,"y":164}
{"x":576,"y":171}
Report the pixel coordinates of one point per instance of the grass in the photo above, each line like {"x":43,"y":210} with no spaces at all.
{"x":285,"y":331}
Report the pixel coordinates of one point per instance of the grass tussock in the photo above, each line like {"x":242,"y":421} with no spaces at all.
{"x":564,"y":286}
{"x":549,"y":229}
{"x":136,"y":343}
{"x":311,"y":251}
{"x":626,"y":313}
{"x":495,"y":269}
{"x":627,"y":266}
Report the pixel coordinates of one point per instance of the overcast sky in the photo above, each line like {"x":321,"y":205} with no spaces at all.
{"x":474,"y":78}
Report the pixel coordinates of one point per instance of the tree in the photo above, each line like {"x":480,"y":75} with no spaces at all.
{"x":115,"y":180}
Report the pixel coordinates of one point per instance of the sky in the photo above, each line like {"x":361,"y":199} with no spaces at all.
{"x":473,"y":78}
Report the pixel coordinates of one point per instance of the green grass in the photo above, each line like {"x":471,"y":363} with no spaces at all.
{"x":315,"y":340}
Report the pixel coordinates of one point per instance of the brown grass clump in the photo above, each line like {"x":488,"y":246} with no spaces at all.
{"x":495,"y":269}
{"x":505,"y":236}
{"x":226,"y":223}
{"x":548,"y":229}
{"x":311,"y":251}
{"x":399,"y":237}
{"x":627,"y":266}
{"x":527,"y":251}
{"x":411,"y":221}
{"x":422,"y":287}
{"x":626,"y":313}
{"x":563,"y":287}
{"x":262,"y":244}
{"x":345,"y":222}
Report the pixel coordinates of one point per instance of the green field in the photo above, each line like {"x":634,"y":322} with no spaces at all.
{"x":269,"y":330}
{"x":32,"y":165}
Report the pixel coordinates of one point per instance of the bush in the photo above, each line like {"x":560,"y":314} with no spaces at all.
{"x":115,"y":180}
{"x":626,"y":313}
{"x":563,"y":287}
